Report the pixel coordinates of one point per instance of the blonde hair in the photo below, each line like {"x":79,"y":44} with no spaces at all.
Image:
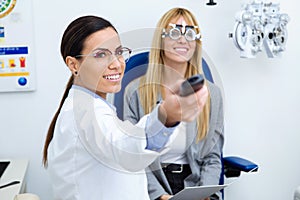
{"x":150,"y":84}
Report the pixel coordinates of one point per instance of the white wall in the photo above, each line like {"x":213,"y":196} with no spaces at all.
{"x":261,"y":94}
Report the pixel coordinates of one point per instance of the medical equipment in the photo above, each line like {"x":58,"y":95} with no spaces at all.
{"x":260,"y":26}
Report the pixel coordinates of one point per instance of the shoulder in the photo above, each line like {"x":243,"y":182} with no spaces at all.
{"x":214,"y":90}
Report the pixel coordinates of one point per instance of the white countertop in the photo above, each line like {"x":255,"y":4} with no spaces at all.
{"x":15,"y":171}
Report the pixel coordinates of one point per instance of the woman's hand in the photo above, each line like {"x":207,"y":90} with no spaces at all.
{"x":165,"y":197}
{"x":175,"y":108}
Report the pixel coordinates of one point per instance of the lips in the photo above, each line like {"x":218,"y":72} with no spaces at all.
{"x":112,"y":77}
{"x":181,"y":49}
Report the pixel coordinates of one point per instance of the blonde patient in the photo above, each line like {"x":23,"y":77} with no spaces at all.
{"x":195,"y":155}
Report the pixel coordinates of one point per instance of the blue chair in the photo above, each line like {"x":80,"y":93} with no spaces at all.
{"x":136,"y":66}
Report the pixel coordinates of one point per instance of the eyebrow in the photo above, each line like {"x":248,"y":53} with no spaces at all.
{"x":99,"y":48}
{"x":186,"y":26}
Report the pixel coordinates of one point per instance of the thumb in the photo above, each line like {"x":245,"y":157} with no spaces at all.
{"x":176,"y":86}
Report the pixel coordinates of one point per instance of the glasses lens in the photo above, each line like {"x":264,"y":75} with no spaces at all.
{"x":190,"y":35}
{"x":102,"y":54}
{"x":175,"y":33}
{"x":123,"y":54}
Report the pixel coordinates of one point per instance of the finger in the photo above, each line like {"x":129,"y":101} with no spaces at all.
{"x":175,"y":87}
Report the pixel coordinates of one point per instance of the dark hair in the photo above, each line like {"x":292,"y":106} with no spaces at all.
{"x":71,"y":45}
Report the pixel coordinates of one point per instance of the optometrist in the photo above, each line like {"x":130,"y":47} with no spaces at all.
{"x":91,"y":154}
{"x":194,"y":158}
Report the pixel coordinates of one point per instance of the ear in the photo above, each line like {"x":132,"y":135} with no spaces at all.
{"x":72,"y":64}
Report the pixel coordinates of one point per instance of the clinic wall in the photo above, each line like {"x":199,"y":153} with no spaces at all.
{"x":261,"y":95}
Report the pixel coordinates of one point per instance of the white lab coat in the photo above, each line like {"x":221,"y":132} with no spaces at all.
{"x":94,"y":155}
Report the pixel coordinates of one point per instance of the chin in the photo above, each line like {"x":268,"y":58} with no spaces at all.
{"x":179,"y":58}
{"x":116,"y":89}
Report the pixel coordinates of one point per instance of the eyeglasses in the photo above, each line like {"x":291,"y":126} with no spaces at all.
{"x":105,"y":56}
{"x":178,"y":30}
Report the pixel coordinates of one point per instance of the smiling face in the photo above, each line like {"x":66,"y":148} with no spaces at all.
{"x":98,"y":68}
{"x":179,"y":50}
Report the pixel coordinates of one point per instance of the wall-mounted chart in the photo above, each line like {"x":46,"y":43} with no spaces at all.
{"x":17,"y":67}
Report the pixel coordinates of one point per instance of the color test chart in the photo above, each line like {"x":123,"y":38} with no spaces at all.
{"x":17,"y":67}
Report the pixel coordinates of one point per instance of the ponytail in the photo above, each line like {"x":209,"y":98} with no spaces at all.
{"x":72,"y":44}
{"x":53,"y":122}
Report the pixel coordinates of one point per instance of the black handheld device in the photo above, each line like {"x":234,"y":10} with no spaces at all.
{"x":191,"y":85}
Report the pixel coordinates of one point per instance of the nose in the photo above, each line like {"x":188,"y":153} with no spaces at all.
{"x":182,"y":39}
{"x":115,"y":63}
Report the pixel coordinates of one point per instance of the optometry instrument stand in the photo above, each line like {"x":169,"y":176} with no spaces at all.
{"x":17,"y":67}
{"x":260,"y":26}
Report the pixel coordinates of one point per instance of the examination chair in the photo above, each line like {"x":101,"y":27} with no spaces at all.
{"x":136,"y":66}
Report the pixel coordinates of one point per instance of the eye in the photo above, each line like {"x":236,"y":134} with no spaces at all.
{"x":190,"y":34}
{"x":101,"y":54}
{"x":119,"y":52}
{"x":175,"y":33}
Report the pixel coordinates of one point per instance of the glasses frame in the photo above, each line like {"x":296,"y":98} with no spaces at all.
{"x":184,"y":30}
{"x":94,"y":55}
